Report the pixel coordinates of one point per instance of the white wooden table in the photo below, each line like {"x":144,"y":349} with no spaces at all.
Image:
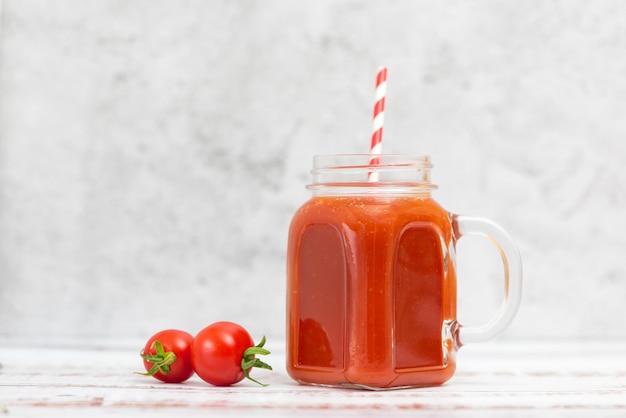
{"x":560,"y":378}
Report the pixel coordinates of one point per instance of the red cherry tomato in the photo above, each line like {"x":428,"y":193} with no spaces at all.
{"x":167,"y":356}
{"x":223,"y":353}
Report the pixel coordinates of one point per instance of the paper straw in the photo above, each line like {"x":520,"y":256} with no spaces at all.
{"x":379,"y":117}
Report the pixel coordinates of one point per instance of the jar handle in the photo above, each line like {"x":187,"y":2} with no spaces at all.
{"x":466,"y":225}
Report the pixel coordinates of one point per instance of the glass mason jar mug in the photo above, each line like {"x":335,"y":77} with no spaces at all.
{"x":371,"y":278}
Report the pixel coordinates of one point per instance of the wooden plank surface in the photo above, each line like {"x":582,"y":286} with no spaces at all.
{"x":493,"y":379}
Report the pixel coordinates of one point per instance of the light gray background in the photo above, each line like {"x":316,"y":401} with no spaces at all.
{"x":152,"y":153}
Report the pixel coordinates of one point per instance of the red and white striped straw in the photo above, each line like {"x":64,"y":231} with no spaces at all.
{"x":379,"y":117}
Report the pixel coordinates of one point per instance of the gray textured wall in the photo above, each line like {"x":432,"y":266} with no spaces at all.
{"x":152,"y":152}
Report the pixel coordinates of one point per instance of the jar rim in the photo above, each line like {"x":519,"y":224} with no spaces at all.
{"x":369,"y":160}
{"x":367,"y":173}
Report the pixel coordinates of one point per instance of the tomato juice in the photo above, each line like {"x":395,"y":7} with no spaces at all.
{"x":371,"y":292}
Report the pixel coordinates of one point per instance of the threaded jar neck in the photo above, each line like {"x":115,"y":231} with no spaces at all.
{"x":359,"y":174}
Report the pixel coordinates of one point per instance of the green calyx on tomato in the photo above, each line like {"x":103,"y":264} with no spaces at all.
{"x":161,"y":360}
{"x":248,"y":361}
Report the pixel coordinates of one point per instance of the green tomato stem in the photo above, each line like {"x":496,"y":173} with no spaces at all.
{"x":161,"y":360}
{"x":249,"y":360}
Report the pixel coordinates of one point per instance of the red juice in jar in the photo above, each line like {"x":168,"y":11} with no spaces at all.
{"x":371,"y":283}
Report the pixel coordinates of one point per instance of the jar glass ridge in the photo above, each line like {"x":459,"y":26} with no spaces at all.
{"x":364,"y":173}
